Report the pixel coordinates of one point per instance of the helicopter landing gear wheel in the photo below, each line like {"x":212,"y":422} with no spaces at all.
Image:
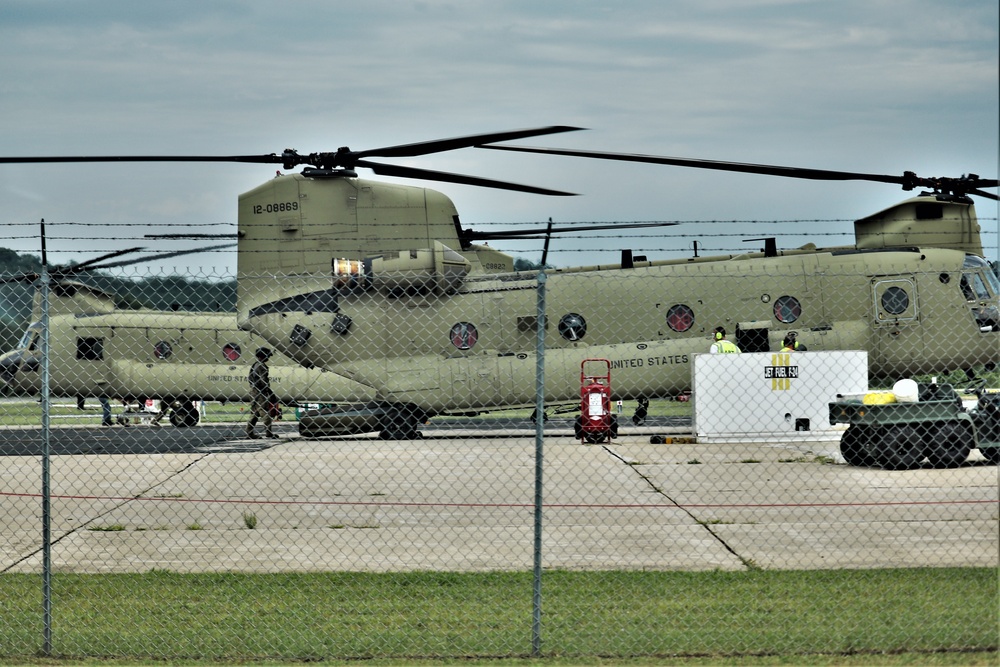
{"x":400,"y":427}
{"x":534,"y":417}
{"x":400,"y":422}
{"x":641,"y":410}
{"x":992,"y":454}
{"x":400,"y":432}
{"x":185,"y":415}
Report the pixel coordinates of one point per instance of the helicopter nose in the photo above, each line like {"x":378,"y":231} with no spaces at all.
{"x":988,"y":319}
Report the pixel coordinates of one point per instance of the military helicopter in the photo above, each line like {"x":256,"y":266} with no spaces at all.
{"x":381,"y":284}
{"x":98,"y":349}
{"x":441,"y":325}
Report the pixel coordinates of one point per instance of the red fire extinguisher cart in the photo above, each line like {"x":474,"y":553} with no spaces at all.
{"x":596,"y":423}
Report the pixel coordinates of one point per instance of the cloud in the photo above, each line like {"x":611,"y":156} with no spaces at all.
{"x":867,"y":86}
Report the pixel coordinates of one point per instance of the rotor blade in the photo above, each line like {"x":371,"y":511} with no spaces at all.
{"x":534,"y":233}
{"x":404,"y":150}
{"x":253,"y":159}
{"x":20,"y":278}
{"x":59,"y":273}
{"x":158,"y":256}
{"x":441,"y":145}
{"x":908,"y":180}
{"x":988,"y":195}
{"x":773,"y":170}
{"x":191,"y":237}
{"x":413,"y":172}
{"x":85,"y":266}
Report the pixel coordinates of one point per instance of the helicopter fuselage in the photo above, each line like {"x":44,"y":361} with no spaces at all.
{"x":375,"y":282}
{"x":474,"y":346}
{"x":173,"y":356}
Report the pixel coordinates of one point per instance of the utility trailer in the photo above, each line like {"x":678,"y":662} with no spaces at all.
{"x":936,"y":427}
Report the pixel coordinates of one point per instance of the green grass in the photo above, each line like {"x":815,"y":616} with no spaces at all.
{"x":610,"y":615}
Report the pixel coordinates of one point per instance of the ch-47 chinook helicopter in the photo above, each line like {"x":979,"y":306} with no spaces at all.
{"x":99,"y":349}
{"x":382,"y":285}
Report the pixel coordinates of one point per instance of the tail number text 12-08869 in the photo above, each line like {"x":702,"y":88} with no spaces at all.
{"x":278,"y":207}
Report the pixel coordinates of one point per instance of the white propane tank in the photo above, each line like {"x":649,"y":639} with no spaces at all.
{"x":906,"y":391}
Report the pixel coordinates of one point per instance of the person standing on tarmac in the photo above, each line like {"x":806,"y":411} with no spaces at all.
{"x":792,"y":344}
{"x":105,"y":411}
{"x":722,"y":345}
{"x":261,"y":395}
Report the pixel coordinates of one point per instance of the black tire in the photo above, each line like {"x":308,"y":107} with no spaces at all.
{"x":992,"y":454}
{"x":853,"y":446}
{"x":641,"y":411}
{"x":614,"y":427}
{"x":401,"y":423}
{"x":534,"y":417}
{"x":185,"y":415}
{"x":578,"y":427}
{"x":950,"y":444}
{"x":400,"y":432}
{"x":899,"y":447}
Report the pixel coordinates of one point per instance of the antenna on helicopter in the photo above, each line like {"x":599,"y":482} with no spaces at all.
{"x":770,"y":245}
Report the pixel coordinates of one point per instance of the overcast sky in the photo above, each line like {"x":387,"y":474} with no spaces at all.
{"x":860,"y":85}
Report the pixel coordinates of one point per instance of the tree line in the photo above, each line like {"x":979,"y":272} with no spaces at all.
{"x":174,"y":293}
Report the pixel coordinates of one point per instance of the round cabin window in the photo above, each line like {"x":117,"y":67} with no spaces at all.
{"x":572,"y":326}
{"x":464,"y":335}
{"x":680,"y":318}
{"x":895,"y":300}
{"x":787,"y":309}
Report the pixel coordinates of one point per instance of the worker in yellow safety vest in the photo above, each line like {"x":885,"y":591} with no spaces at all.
{"x":723,"y":346}
{"x":792,"y":344}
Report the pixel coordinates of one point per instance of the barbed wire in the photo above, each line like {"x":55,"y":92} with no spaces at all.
{"x":556,"y":223}
{"x":675,"y":239}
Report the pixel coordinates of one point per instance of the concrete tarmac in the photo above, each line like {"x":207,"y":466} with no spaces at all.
{"x":211,"y":500}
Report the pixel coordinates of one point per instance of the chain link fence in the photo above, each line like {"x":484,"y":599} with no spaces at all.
{"x":410,"y":454}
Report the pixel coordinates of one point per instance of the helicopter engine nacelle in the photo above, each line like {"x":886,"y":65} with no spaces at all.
{"x":437,"y":270}
{"x":920,"y":222}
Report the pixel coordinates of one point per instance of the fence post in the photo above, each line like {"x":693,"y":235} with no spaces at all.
{"x":46,"y":495}
{"x":536,"y":601}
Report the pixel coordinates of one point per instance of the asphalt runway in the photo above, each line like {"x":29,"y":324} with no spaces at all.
{"x":81,"y":440}
{"x":146,"y":439}
{"x":138,"y":498}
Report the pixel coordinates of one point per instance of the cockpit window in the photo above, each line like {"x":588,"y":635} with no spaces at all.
{"x":993,"y":282}
{"x":974,"y":262}
{"x":30,"y":338}
{"x":982,"y":270}
{"x":980,"y":287}
{"x":974,"y":287}
{"x":966,"y":285}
